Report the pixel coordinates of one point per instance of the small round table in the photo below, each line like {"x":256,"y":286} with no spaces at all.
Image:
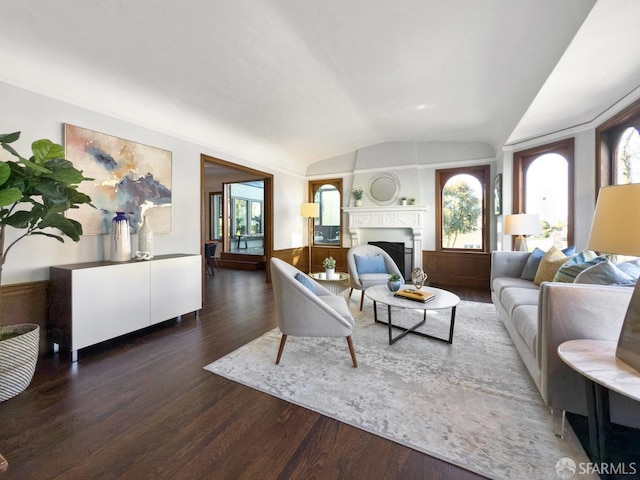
{"x":338,"y":284}
{"x":443,"y":299}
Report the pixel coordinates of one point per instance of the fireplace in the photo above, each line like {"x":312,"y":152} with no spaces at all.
{"x":395,"y":251}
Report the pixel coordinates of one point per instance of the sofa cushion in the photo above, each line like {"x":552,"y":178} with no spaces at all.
{"x":525,"y":319}
{"x":569,"y":270}
{"x":549,"y":265}
{"x":513,"y":297}
{"x":370,"y":264}
{"x":500,"y":283}
{"x":370,"y":279}
{"x":605,"y":273}
{"x":533,"y":262}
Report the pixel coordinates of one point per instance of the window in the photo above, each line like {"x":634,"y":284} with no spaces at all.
{"x":543,"y":184}
{"x":247,"y":212}
{"x":618,"y":148}
{"x":462,"y":208}
{"x":215,"y":209}
{"x":328,"y":194}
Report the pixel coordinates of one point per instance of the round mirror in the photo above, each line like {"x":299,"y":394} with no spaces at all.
{"x":384,"y":188}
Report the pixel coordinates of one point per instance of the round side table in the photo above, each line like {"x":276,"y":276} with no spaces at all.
{"x":338,"y":284}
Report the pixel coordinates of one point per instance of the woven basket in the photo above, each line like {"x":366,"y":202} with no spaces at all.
{"x":18,"y":358}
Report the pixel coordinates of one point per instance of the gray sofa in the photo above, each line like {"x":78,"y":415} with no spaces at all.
{"x":539,"y":319}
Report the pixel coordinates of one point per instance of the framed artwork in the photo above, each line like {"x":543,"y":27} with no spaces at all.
{"x":497,"y":195}
{"x":128,"y":177}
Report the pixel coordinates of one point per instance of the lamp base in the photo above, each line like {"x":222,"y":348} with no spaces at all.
{"x":628,"y":349}
{"x":521,"y":244}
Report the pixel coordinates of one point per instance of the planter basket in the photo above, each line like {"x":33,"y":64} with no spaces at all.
{"x":18,"y":358}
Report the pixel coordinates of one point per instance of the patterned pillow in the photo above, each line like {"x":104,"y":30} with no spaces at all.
{"x":605,"y":273}
{"x":306,"y":281}
{"x":549,"y":265}
{"x":370,"y":264}
{"x":568,"y":272}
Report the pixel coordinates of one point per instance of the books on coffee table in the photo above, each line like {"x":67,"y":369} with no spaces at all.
{"x":415,"y":295}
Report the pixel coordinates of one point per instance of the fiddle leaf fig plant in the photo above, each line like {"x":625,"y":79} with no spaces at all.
{"x":35,"y":192}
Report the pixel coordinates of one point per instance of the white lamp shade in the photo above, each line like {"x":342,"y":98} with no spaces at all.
{"x":522,"y":224}
{"x":310,"y":210}
{"x":616,"y":221}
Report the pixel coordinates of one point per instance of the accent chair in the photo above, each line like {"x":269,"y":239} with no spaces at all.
{"x":369,"y":265}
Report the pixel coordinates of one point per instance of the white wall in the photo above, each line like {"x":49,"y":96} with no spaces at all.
{"x":37,"y":116}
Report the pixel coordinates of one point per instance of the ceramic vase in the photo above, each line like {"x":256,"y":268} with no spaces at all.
{"x":358,"y":203}
{"x":145,"y":239}
{"x":120,"y":239}
{"x":329,"y":272}
{"x":394,"y":285}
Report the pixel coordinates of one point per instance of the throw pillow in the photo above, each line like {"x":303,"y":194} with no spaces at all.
{"x":569,"y":270}
{"x":549,"y":265}
{"x":605,"y":273}
{"x":370,"y":264}
{"x":631,"y":268}
{"x":533,"y":262}
{"x":306,"y":281}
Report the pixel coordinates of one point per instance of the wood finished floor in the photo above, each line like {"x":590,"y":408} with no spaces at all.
{"x":143,"y":407}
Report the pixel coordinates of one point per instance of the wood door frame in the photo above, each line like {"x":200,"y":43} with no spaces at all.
{"x":268,"y":203}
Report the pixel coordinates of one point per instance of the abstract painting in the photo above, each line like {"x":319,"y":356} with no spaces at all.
{"x":127,"y":177}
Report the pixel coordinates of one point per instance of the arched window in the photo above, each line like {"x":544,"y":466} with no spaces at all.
{"x":543,"y":185}
{"x":328,"y":194}
{"x":462,"y":208}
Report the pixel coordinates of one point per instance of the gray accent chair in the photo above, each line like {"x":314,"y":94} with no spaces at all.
{"x":308,"y":311}
{"x":362,"y":281}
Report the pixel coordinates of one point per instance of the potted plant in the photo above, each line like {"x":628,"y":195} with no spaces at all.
{"x":329,"y":265}
{"x":34,"y":194}
{"x":357,"y":195}
{"x":395,"y":282}
{"x":403,"y":201}
{"x":412,"y":201}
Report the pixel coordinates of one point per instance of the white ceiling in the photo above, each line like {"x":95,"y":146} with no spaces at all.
{"x":290,"y":82}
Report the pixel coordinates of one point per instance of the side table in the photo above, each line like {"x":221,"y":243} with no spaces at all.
{"x":596,"y":361}
{"x":338,"y":284}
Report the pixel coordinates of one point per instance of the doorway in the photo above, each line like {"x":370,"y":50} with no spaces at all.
{"x":225,"y":188}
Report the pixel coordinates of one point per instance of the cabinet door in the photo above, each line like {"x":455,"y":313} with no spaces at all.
{"x":109,"y":301}
{"x":176,"y":287}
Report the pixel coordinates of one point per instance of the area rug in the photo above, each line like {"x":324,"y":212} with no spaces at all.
{"x":471,"y":403}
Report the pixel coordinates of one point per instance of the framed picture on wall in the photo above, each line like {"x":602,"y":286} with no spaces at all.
{"x":497,"y":194}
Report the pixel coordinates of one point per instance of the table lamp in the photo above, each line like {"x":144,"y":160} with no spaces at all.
{"x":522,"y":224}
{"x":616,"y":229}
{"x":310,"y":211}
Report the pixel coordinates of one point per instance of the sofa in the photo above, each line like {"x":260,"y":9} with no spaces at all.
{"x":541,"y":317}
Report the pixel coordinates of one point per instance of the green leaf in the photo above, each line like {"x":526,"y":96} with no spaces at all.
{"x":9,"y":137}
{"x":10,"y":196}
{"x":30,"y":164}
{"x":10,"y":149}
{"x":21,"y":219}
{"x":5,"y":172}
{"x":45,"y":149}
{"x":57,"y":237}
{"x":70,"y":228}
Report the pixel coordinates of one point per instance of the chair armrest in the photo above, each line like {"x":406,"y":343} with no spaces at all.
{"x":569,"y":311}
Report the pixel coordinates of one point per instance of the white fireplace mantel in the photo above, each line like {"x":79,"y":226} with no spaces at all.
{"x":390,"y":216}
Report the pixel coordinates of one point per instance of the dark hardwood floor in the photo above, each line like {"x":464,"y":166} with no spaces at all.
{"x":143,"y":407}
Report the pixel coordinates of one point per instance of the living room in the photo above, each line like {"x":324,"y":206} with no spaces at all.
{"x":514,"y":97}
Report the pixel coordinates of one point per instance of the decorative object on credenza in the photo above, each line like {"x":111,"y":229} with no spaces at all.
{"x":35,"y":193}
{"x":310,"y":211}
{"x":357,"y":196}
{"x":120,"y":239}
{"x":616,"y":230}
{"x":129,"y":176}
{"x":145,"y":241}
{"x":394,"y":283}
{"x":522,"y":224}
{"x":418,"y":277}
{"x":329,"y":265}
{"x":497,"y":195}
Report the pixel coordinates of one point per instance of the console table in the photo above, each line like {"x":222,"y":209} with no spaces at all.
{"x":96,"y":301}
{"x":596,"y":360}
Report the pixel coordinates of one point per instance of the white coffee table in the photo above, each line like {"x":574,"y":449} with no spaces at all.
{"x":443,"y":300}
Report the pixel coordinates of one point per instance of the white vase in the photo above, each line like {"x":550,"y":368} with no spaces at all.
{"x":329,"y":272}
{"x":120,"y":239}
{"x":358,"y":203}
{"x":145,"y":239}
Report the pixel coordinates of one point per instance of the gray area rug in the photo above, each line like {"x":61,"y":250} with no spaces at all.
{"x":471,"y":403}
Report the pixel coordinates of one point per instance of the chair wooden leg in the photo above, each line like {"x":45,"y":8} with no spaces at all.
{"x":361,"y":300}
{"x":282,"y":341}
{"x":352,"y":351}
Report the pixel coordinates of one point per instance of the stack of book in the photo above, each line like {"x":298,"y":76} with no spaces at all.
{"x":415,"y":295}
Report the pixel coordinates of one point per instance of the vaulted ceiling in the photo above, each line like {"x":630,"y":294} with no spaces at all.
{"x":289,"y":82}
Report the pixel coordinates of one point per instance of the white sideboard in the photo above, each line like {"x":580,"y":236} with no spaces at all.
{"x":96,"y":301}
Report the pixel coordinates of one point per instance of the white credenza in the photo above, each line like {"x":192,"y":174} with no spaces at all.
{"x":97,"y":301}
